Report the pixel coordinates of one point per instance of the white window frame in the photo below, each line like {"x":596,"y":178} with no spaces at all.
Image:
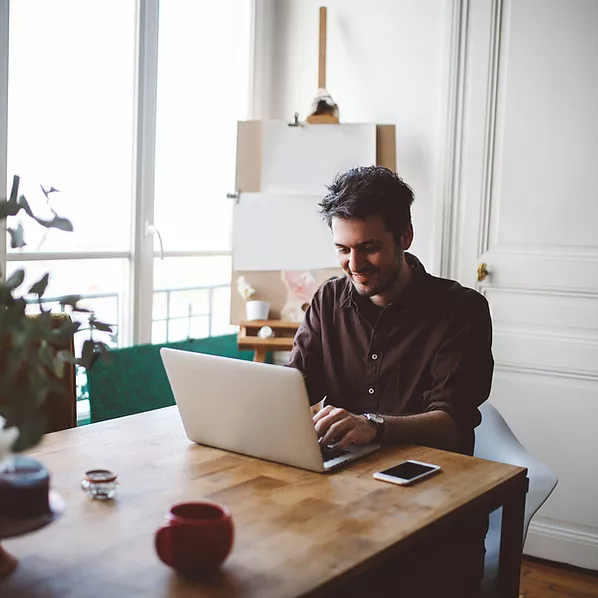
{"x":138,"y":312}
{"x":4,"y":21}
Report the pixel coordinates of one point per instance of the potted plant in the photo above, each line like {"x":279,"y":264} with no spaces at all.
{"x":255,"y":309}
{"x":32,"y":362}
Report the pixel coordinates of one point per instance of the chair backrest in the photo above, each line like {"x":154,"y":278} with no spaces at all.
{"x":133,"y":379}
{"x":495,"y":441}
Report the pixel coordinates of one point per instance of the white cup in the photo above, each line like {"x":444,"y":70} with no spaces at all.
{"x":257,"y":310}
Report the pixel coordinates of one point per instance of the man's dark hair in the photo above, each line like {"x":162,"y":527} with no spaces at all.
{"x":370,"y":191}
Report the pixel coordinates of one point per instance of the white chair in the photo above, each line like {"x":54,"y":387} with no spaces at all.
{"x":495,"y":441}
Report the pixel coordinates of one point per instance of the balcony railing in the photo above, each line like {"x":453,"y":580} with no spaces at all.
{"x":161,"y":323}
{"x":167,"y":319}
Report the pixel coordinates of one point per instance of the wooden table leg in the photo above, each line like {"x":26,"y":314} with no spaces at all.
{"x":8,"y":563}
{"x":511,"y":544}
{"x":260,"y":355}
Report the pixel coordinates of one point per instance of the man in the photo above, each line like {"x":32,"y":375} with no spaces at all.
{"x":399,"y":355}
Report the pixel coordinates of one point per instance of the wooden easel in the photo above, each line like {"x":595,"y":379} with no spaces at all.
{"x":284,"y":333}
{"x":323,"y":113}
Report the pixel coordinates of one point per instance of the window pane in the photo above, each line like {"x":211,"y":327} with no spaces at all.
{"x":191,"y":297}
{"x":101,"y":283}
{"x":70,"y":118}
{"x":202,"y":92}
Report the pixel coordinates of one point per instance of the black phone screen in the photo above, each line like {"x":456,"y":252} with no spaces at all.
{"x":407,"y":470}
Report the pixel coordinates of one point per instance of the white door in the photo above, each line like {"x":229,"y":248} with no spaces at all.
{"x":528,"y":208}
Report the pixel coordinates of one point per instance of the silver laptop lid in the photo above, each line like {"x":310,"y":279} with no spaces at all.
{"x":252,"y":408}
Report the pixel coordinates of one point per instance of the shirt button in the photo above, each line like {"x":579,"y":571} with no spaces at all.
{"x":374,"y":355}
{"x":371,"y":390}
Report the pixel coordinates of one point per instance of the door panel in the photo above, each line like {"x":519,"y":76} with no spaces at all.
{"x":544,"y":412}
{"x":529,"y":210}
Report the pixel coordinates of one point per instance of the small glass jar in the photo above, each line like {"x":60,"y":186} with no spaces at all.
{"x":99,"y":484}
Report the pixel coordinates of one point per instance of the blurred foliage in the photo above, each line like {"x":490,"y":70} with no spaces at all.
{"x":32,"y":347}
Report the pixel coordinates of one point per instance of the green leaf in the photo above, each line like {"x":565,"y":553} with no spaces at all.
{"x":15,"y":280}
{"x":11,"y":207}
{"x":87,"y":354}
{"x":39,"y":288}
{"x":17,"y":239}
{"x":66,"y":356}
{"x":46,"y":356}
{"x":70,"y":300}
{"x":66,"y":331}
{"x":56,"y":222}
{"x":58,"y":367}
{"x":8,"y":208}
{"x":23,"y":203}
{"x":32,"y":427}
{"x":14,"y":192}
{"x":100,"y":326}
{"x":47,"y":193}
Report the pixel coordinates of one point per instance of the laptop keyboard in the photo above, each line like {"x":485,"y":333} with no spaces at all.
{"x":330,"y":452}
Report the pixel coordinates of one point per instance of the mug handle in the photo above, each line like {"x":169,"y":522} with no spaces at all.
{"x":163,"y":543}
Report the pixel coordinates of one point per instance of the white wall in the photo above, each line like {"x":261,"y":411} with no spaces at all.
{"x":387,"y":63}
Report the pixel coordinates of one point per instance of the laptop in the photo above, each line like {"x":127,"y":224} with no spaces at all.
{"x":256,"y":409}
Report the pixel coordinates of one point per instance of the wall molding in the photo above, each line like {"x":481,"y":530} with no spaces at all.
{"x":519,"y":369}
{"x":569,"y":544}
{"x":547,"y":252}
{"x":543,"y":336}
{"x":540,"y":291}
{"x":490,"y":128}
{"x":453,"y":145}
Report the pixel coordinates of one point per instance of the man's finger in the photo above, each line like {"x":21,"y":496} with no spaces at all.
{"x":318,"y":406}
{"x":349,"y":438}
{"x":324,"y":423}
{"x":337,"y":431}
{"x":322,"y":413}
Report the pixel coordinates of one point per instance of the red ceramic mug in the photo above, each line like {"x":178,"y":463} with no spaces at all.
{"x":198,"y":536}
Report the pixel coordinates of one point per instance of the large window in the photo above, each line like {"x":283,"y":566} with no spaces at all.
{"x":129,"y":109}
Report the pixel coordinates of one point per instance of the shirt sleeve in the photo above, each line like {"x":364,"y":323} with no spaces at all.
{"x":307,"y":354}
{"x":463,"y":365}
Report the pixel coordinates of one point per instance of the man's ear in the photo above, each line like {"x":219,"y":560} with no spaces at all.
{"x":407,"y":238}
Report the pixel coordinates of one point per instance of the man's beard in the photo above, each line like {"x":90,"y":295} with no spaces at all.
{"x":379,"y":289}
{"x":385,"y":286}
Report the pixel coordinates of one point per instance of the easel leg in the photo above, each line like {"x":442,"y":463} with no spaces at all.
{"x":8,"y":563}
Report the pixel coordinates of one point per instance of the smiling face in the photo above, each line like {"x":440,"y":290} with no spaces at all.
{"x":370,"y":256}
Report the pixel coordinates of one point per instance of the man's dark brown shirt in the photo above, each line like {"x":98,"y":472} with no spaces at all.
{"x":431,"y":350}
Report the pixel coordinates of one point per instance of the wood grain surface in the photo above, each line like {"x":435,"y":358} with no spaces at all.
{"x":297,"y":532}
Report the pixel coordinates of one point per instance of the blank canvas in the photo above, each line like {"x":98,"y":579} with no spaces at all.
{"x":281,"y":232}
{"x":305,"y":159}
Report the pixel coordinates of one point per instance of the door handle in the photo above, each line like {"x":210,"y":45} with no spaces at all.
{"x":482,"y":272}
{"x":150,"y":229}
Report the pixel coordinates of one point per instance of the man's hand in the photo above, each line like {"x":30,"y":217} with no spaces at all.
{"x":341,"y":428}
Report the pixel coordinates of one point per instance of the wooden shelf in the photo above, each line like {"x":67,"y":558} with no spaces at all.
{"x":284,"y":333}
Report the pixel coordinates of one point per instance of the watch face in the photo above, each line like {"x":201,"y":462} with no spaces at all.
{"x":375,"y":418}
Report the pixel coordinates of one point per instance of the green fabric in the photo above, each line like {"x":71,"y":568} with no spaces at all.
{"x":133,"y":379}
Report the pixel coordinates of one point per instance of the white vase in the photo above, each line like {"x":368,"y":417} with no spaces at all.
{"x":257,"y":310}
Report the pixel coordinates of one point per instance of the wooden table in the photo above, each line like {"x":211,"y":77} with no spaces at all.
{"x":297,"y":532}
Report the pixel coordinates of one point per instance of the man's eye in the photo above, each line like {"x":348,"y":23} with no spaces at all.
{"x":370,"y":248}
{"x":342,"y":250}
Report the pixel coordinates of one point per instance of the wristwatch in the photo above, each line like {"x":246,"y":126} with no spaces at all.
{"x":378,"y":421}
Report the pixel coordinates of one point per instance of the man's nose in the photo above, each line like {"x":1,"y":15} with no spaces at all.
{"x":355,"y":261}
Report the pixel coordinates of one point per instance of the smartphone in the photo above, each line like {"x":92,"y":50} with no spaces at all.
{"x":407,"y":472}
